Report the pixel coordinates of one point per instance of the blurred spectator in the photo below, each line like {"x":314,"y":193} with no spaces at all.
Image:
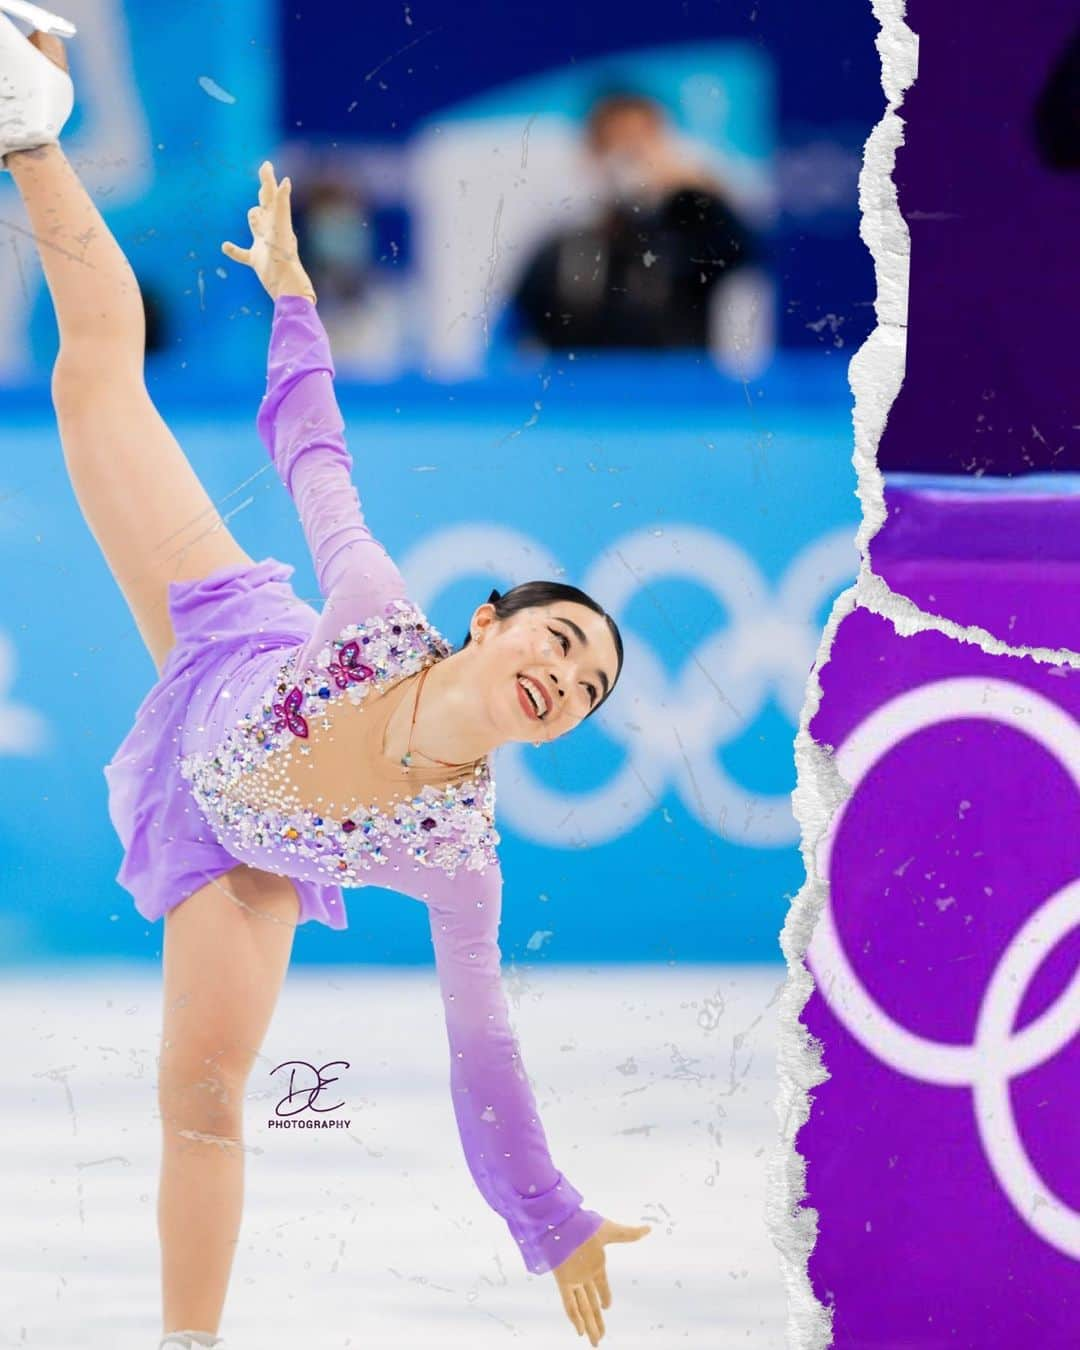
{"x":652,"y":270}
{"x":362,"y":306}
{"x":333,"y":237}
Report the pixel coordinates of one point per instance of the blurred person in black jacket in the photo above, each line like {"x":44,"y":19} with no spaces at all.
{"x":646,"y":274}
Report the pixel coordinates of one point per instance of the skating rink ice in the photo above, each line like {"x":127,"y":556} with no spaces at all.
{"x":656,"y":1088}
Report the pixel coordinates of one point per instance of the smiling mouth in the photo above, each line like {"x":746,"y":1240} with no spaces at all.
{"x":533,"y":697}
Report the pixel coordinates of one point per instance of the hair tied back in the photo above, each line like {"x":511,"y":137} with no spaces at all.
{"x":493,"y":597}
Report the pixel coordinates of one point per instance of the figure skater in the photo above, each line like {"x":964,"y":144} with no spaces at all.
{"x":282,"y":752}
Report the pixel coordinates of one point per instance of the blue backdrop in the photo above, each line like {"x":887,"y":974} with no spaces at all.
{"x":178,"y":105}
{"x":714,"y":517}
{"x":717,"y":527}
{"x":387,"y":70}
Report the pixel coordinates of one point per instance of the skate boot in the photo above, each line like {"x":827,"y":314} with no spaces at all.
{"x":191,"y":1340}
{"x":36,"y":96}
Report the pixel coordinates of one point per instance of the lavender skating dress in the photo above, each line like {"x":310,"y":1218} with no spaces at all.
{"x":252,"y":667}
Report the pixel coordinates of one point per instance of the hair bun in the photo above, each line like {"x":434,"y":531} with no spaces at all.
{"x":495,"y":595}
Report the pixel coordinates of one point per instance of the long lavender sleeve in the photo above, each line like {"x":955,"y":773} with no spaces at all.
{"x":504,"y":1142}
{"x":301,"y":426}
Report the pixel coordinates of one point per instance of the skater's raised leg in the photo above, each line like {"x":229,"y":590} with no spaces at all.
{"x":141,"y":499}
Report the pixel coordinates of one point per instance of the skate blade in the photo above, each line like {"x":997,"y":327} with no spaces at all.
{"x":40,"y":18}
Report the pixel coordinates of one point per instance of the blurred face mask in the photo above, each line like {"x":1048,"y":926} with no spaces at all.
{"x":338,"y":236}
{"x":623,"y":176}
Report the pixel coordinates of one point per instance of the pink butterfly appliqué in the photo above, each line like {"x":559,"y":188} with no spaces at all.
{"x":349,"y":666}
{"x":288,"y":713}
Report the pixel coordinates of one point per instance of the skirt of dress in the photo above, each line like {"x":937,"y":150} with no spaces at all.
{"x":233,"y":629}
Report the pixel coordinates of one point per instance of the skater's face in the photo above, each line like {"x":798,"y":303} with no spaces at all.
{"x":564,"y":651}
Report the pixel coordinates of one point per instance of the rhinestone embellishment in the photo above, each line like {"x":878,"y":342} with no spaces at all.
{"x":448,"y":827}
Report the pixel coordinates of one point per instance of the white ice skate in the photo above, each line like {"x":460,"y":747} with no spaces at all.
{"x":36,"y":96}
{"x":185,"y":1340}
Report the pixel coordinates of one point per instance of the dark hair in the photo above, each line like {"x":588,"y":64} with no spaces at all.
{"x":532,"y":594}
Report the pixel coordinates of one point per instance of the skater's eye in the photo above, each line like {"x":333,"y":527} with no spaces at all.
{"x":565,"y":639}
{"x":566,"y":647}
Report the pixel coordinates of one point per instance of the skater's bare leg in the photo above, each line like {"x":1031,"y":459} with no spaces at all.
{"x":94,"y":290}
{"x":227,"y":948}
{"x":142,"y":501}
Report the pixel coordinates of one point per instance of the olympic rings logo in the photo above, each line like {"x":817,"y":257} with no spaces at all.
{"x":997,"y":1053}
{"x":23,"y":730}
{"x":669,"y":729}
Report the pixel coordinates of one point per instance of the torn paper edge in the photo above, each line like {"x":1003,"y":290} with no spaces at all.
{"x":875,"y":375}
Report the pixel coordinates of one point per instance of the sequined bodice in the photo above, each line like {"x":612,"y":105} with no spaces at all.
{"x":448,"y":826}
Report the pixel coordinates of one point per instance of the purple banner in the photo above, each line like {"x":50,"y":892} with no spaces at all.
{"x":988,"y":182}
{"x":942,"y":1152}
{"x":1027,"y":543}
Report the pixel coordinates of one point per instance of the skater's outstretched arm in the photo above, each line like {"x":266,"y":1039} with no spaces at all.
{"x":505,"y":1146}
{"x":300,"y":424}
{"x":498,"y":1122}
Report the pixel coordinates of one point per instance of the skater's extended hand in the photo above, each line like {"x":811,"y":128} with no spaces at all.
{"x":582,"y":1277}
{"x":273,"y":255}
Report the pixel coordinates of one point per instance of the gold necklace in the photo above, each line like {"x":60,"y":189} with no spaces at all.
{"x":406,"y":758}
